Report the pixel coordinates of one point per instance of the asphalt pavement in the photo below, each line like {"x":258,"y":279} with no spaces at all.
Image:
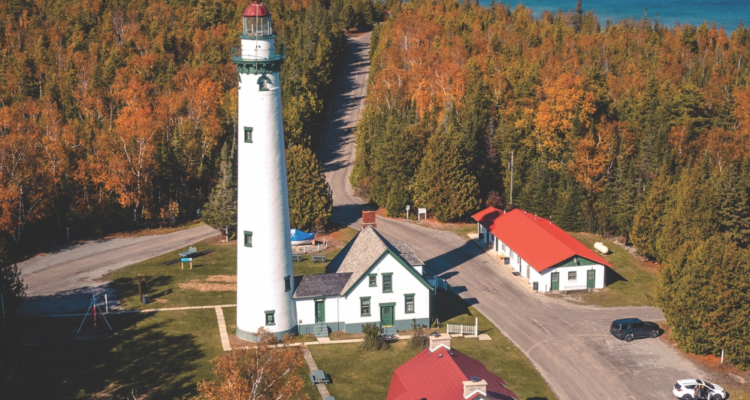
{"x":569,"y":344}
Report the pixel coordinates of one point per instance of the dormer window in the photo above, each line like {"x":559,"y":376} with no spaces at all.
{"x":263,"y":83}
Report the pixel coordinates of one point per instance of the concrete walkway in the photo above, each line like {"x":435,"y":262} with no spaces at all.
{"x":223,"y":329}
{"x":311,"y":364}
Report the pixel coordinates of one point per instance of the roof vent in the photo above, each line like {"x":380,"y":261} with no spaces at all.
{"x":534,"y":217}
{"x":475,"y":379}
{"x":440,"y":355}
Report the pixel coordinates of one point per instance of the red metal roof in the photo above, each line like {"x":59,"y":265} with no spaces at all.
{"x":256,"y":10}
{"x":538,"y":241}
{"x":439,"y":375}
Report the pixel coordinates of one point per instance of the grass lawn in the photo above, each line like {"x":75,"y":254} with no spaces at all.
{"x":367,"y":375}
{"x":630,"y":283}
{"x":165,"y":283}
{"x":162,"y":355}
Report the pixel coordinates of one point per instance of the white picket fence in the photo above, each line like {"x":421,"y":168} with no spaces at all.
{"x":472,"y":330}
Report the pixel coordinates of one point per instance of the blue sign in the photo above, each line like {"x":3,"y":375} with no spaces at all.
{"x":187,"y":260}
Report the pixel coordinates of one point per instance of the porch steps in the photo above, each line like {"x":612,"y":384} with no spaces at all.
{"x":389,"y":331}
{"x":320,"y":329}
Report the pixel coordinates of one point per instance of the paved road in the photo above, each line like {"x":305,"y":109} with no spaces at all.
{"x":569,"y":344}
{"x":63,"y":280}
{"x":336,"y":150}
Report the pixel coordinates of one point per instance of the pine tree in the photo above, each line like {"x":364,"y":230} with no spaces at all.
{"x":220,"y":212}
{"x":443,"y":183}
{"x":310,"y":197}
{"x":647,"y":222}
{"x":577,"y":18}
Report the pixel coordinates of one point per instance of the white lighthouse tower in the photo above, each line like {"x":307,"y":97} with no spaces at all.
{"x":264,"y":250}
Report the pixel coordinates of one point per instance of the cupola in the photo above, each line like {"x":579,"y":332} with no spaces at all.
{"x":256,"y":20}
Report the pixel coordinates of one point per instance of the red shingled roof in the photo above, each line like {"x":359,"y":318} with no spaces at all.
{"x":538,"y":241}
{"x":432,"y":377}
{"x":256,"y":10}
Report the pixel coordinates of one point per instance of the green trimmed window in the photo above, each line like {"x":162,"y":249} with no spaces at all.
{"x":388,"y":283}
{"x":263,"y":82}
{"x":364,"y":306}
{"x":270,"y":319}
{"x":248,"y":239}
{"x":248,"y":134}
{"x":409,"y":303}
{"x":287,"y":283}
{"x":373,"y":280}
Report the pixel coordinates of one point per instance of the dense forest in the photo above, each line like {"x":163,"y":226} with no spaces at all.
{"x":626,"y":128}
{"x":113,"y":113}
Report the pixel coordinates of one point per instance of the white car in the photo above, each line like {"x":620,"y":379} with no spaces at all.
{"x":685,"y":388}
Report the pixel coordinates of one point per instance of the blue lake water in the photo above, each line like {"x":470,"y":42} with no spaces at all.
{"x":668,"y":12}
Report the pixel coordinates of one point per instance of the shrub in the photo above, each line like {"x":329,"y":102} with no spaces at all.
{"x":419,"y":339}
{"x":373,"y":338}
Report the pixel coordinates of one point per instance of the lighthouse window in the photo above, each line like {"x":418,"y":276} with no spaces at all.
{"x":248,"y":134}
{"x":287,"y":283}
{"x":248,"y":239}
{"x":263,"y":82}
{"x":270,"y":320}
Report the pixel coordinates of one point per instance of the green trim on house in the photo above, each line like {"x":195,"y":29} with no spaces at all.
{"x":248,"y":134}
{"x":575,"y":261}
{"x":388,"y":288}
{"x":272,"y":320}
{"x":401,"y":261}
{"x":387,"y":305}
{"x":248,"y":239}
{"x":373,"y":279}
{"x":406,"y":303}
{"x":361,"y":306}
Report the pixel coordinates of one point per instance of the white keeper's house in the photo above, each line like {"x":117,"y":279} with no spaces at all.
{"x":540,"y":251}
{"x":372,"y":281}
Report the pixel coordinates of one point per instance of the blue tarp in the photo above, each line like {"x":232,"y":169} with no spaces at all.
{"x":300,"y":236}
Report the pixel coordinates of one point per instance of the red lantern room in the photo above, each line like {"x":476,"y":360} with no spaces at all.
{"x":256,"y":20}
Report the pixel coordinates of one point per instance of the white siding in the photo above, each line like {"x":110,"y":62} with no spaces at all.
{"x":403,"y":283}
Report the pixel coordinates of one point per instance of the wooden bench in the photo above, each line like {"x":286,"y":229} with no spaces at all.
{"x":319,"y":259}
{"x":296,"y":257}
{"x":190,"y":252}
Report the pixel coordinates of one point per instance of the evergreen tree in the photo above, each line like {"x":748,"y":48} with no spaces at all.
{"x":570,"y":213}
{"x":577,"y":18}
{"x":310,"y":197}
{"x":647,"y":222}
{"x":443,"y":184}
{"x":220,"y":212}
{"x":734,"y":209}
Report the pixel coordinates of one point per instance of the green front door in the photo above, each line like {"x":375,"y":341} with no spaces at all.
{"x":386,"y":315}
{"x":320,"y":311}
{"x":591,"y":279}
{"x":555,"y":281}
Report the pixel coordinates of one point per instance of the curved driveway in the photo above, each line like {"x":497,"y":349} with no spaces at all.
{"x":569,"y":344}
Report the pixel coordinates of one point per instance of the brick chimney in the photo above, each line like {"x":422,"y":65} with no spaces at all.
{"x":473,"y":386}
{"x":368,"y":219}
{"x":437,"y":340}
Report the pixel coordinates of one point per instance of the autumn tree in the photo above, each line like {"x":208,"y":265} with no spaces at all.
{"x":310,"y":197}
{"x":265,"y":370}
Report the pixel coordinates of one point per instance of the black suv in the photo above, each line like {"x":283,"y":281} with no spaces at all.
{"x":630,"y":328}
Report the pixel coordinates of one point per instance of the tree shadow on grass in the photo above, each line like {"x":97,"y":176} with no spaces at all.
{"x":140,"y":355}
{"x":128,"y":287}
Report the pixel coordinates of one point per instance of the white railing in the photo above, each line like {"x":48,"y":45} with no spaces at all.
{"x":473,"y":330}
{"x":437,"y":282}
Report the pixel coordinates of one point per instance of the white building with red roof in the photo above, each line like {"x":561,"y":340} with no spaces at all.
{"x":540,"y":251}
{"x":441,"y":373}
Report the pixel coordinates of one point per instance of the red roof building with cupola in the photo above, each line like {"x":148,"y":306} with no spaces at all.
{"x":441,"y":373}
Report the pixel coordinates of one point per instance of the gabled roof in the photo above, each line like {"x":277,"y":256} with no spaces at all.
{"x":538,"y":241}
{"x":362,"y":253}
{"x":321,"y":285}
{"x":439,"y":375}
{"x":408,"y":254}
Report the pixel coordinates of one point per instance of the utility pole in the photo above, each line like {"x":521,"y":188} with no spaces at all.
{"x":511,"y":178}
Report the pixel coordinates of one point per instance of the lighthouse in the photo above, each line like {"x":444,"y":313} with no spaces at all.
{"x":264,"y":250}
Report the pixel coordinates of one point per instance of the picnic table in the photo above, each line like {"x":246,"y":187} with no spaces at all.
{"x":319,"y":259}
{"x":191,"y":251}
{"x":296,"y":257}
{"x":319,"y":376}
